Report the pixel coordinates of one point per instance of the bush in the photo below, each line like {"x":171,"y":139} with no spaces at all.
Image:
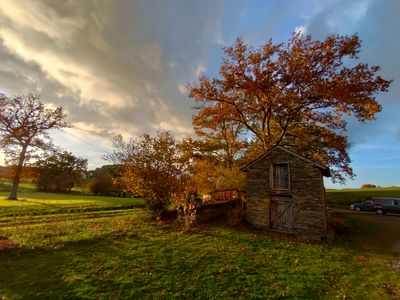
{"x":368,"y":186}
{"x":152,"y":166}
{"x":102,"y":185}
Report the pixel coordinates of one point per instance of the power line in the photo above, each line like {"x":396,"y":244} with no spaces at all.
{"x":83,"y":141}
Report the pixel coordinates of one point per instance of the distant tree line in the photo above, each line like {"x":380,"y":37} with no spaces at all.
{"x":368,"y":186}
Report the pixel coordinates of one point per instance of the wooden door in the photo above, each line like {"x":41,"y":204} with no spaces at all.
{"x":282,"y":214}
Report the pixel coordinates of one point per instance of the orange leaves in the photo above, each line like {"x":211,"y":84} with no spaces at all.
{"x":154,"y":167}
{"x":291,"y":92}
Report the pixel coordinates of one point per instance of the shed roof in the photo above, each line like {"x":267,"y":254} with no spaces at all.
{"x":324,"y":169}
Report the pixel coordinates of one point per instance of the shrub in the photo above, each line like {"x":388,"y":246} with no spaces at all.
{"x":154,"y":167}
{"x":102,"y":185}
{"x":368,"y":186}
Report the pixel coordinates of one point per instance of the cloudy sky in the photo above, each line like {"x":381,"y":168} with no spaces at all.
{"x":120,"y":67}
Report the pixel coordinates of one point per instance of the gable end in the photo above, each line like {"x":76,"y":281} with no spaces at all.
{"x":324,"y":169}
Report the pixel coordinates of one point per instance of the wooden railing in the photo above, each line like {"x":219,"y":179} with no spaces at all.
{"x":226,"y":195}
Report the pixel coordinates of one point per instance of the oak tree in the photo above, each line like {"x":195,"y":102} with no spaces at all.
{"x":218,"y":134}
{"x":294,"y":94}
{"x":59,"y":171}
{"x":25,"y":122}
{"x":210,"y":165}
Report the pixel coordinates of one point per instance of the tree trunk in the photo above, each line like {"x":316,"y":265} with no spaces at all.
{"x":17,"y":176}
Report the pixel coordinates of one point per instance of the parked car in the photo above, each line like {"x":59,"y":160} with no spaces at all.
{"x":381,"y":205}
{"x":364,"y":206}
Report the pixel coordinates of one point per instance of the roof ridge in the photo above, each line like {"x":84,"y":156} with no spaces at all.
{"x":325,"y":168}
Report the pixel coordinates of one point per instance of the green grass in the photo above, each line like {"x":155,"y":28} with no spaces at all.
{"x":127,"y":256}
{"x":33,"y":203}
{"x":354,"y":227}
{"x":343,"y":198}
{"x":132,"y":258}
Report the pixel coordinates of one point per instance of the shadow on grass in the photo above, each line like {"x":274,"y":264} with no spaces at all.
{"x":361,"y":232}
{"x":68,"y":272}
{"x":156,"y":260}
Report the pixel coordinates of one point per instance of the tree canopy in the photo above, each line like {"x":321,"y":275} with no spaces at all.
{"x":294,"y":94}
{"x":24,"y":125}
{"x":60,"y":171}
{"x":153,"y":168}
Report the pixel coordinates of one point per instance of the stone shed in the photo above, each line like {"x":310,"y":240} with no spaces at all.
{"x":285,"y":192}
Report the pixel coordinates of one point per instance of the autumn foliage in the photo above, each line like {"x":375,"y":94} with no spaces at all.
{"x":25,"y":122}
{"x":294,"y":94}
{"x":28,"y":173}
{"x":210,"y":164}
{"x":368,"y":186}
{"x":152,"y":168}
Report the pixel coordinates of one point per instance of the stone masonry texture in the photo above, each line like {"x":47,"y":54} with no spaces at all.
{"x":306,"y":191}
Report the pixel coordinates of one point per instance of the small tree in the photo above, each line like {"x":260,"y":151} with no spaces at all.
{"x":153,"y":167}
{"x":102,"y":184}
{"x":106,"y":180}
{"x":60,"y":171}
{"x":24,"y":125}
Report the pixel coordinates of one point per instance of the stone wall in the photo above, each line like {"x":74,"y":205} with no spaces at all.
{"x":216,"y":210}
{"x":306,"y":190}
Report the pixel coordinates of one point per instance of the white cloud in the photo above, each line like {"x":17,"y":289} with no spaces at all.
{"x":182,"y":88}
{"x":36,"y":16}
{"x":300,"y":30}
{"x":200,"y":70}
{"x":113,"y":67}
{"x":65,"y":70}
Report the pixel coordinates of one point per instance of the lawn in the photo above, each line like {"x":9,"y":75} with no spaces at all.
{"x":33,"y":203}
{"x":343,"y":198}
{"x":128,"y":256}
{"x":132,"y":257}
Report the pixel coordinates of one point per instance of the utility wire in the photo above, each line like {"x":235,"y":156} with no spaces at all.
{"x":83,"y":141}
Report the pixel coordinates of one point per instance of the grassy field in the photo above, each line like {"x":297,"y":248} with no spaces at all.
{"x":131,"y":257}
{"x":343,"y":198}
{"x":128,"y":256}
{"x":33,"y":203}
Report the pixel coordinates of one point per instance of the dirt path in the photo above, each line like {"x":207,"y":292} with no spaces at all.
{"x":379,"y":233}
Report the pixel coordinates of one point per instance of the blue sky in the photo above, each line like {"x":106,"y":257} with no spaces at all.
{"x":121,"y":67}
